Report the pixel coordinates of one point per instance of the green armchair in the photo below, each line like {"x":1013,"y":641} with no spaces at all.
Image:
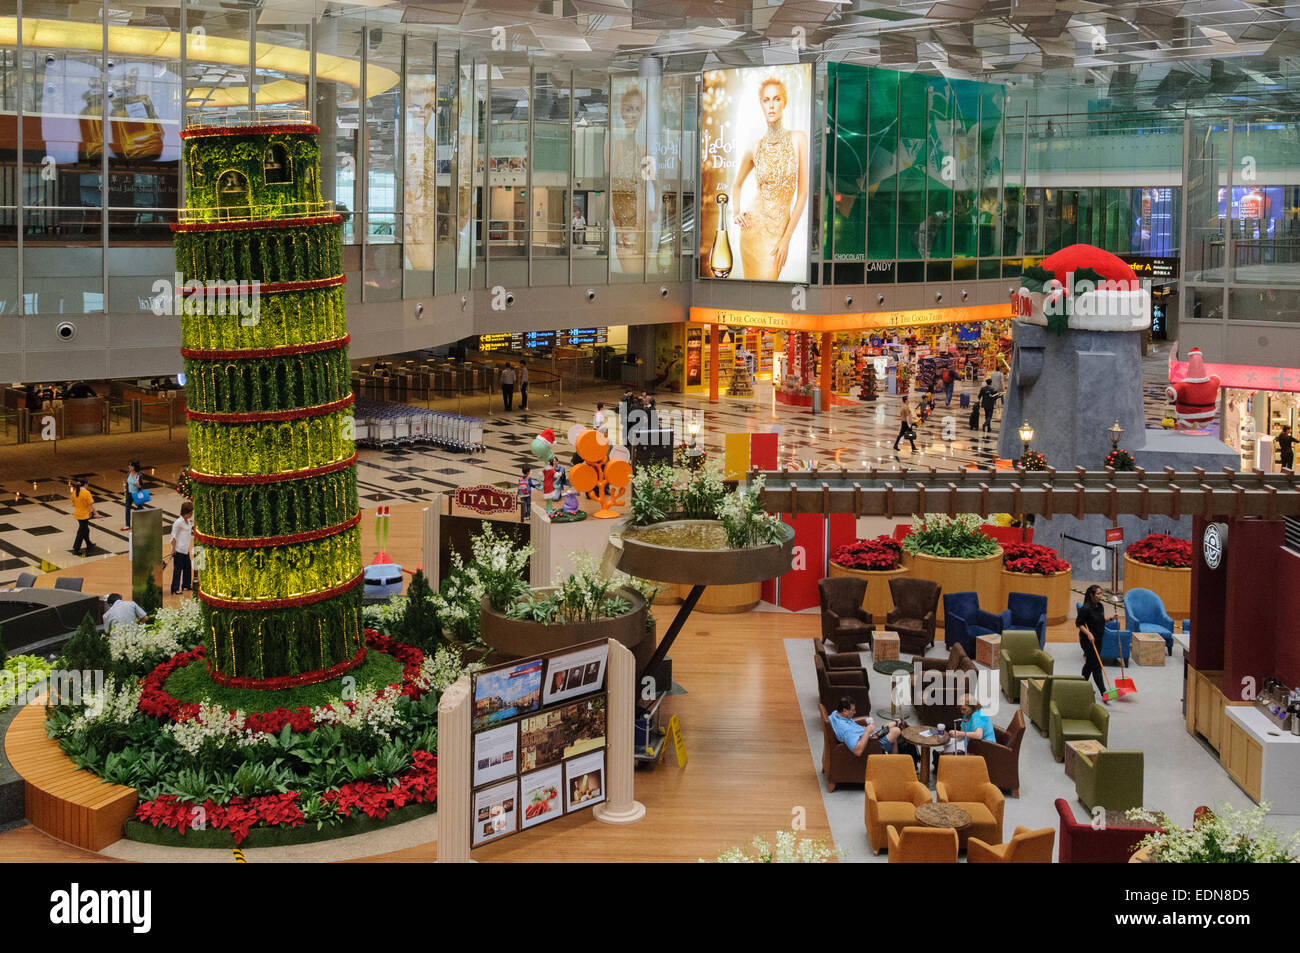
{"x":1111,"y":780}
{"x":1022,"y":658}
{"x":1039,"y":696}
{"x":1074,"y":715}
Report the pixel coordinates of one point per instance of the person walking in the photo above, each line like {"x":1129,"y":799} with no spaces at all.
{"x":83,"y":508}
{"x":508,"y":387}
{"x":989,"y":398}
{"x":598,"y":423}
{"x":1091,"y":622}
{"x":949,"y":381}
{"x":905,"y":426}
{"x":999,"y":382}
{"x":523,"y":386}
{"x":133,"y":479}
{"x":182,"y":541}
{"x":1286,"y":448}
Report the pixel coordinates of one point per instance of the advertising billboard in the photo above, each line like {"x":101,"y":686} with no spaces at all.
{"x":755,"y":127}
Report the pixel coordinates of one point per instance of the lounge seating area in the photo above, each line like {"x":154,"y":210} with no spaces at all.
{"x":1145,"y":612}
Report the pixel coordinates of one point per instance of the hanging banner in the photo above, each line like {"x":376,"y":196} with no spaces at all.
{"x":755,"y":127}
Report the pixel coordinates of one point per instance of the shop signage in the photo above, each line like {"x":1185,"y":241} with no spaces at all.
{"x":486,"y":499}
{"x":694,"y":356}
{"x":585,"y":337}
{"x":1213,"y":543}
{"x":1115,"y":534}
{"x":1157,"y":269}
{"x":784,"y":321}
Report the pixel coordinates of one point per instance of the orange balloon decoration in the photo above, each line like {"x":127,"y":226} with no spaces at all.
{"x":597,"y":474}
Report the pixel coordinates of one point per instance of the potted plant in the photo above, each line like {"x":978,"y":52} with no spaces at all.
{"x":877,"y":560}
{"x":1038,"y":570}
{"x":951,"y":551}
{"x":583,"y":607}
{"x":1162,"y":564}
{"x":494,"y":574}
{"x":1031,"y":460}
{"x":701,"y":533}
{"x":1222,"y":836}
{"x":1120,"y":460}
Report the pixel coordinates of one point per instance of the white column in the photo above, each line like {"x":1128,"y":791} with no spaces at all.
{"x":429,"y":552}
{"x":454,"y":773}
{"x":620,"y":762}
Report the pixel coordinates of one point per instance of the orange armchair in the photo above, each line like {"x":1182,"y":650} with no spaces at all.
{"x":964,"y":781}
{"x":922,"y":845}
{"x":1025,"y":847}
{"x":893,"y":794}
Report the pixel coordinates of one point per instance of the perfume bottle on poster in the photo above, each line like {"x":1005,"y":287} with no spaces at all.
{"x":91,"y":122}
{"x":137,"y":132}
{"x":720,"y":256}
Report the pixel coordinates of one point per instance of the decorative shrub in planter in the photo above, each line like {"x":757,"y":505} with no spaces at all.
{"x":876,"y":560}
{"x":1162,"y":564}
{"x":1121,"y":460}
{"x":951,"y":551}
{"x":581,"y":608}
{"x":700,"y":533}
{"x":1038,"y":570}
{"x":1031,"y":460}
{"x":1224,"y":836}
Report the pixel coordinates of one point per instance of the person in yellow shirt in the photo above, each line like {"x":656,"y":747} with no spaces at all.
{"x":83,"y":508}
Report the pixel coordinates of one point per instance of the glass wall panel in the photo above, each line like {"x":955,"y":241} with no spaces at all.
{"x":846,"y":199}
{"x":989,"y":142}
{"x":590,"y":174}
{"x":885,"y":164}
{"x":627,"y":150}
{"x":478,"y":98}
{"x":941,"y":171}
{"x":466,"y":153}
{"x":67,"y":120}
{"x":420,"y":167}
{"x":663,"y":200}
{"x":383,"y":138}
{"x":1263,"y":211}
{"x":1206,"y":180}
{"x":913,"y":112}
{"x":12,"y":93}
{"x":144,"y":155}
{"x":549,"y":201}
{"x":217,"y":51}
{"x":442,"y":176}
{"x":283,"y":57}
{"x":690,"y":145}
{"x":507,"y":176}
{"x":338,"y":113}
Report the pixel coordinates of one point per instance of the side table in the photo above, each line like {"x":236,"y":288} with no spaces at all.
{"x":1075,"y":748}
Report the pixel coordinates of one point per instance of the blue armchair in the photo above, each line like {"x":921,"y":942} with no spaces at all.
{"x":1144,"y":612}
{"x":964,"y":621}
{"x":1026,"y":611}
{"x":1116,"y":642}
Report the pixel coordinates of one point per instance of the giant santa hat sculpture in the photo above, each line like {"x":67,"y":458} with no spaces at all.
{"x":1084,"y":288}
{"x":1196,"y":396}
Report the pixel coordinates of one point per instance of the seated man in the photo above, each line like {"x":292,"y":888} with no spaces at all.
{"x":855,"y":735}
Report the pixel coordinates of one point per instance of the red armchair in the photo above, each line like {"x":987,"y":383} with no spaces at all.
{"x":1081,"y":843}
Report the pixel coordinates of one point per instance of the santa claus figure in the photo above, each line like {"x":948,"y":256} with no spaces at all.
{"x":1196,"y":396}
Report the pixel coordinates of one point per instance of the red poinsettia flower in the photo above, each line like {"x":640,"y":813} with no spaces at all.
{"x":1033,"y":559}
{"x":1157,"y":549}
{"x":873,"y":555}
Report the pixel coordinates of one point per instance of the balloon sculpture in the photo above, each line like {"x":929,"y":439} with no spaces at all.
{"x":602,"y":468}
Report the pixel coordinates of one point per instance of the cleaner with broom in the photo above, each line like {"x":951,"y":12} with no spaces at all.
{"x":1091,"y":621}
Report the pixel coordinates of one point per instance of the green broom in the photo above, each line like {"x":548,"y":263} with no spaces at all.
{"x":1110,"y":694}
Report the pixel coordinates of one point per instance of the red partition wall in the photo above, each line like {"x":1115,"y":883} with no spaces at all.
{"x":841,"y":528}
{"x":1286,"y":590}
{"x":799,"y":585}
{"x":1252,"y":626}
{"x":1209,"y":588}
{"x":763,"y":451}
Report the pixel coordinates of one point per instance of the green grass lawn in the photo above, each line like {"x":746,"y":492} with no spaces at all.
{"x":193,"y":684}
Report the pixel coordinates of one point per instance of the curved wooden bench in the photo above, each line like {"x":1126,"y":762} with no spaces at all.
{"x":73,"y":805}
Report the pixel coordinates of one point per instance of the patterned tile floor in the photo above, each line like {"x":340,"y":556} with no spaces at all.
{"x":36,"y":525}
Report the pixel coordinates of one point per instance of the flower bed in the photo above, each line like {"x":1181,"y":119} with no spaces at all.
{"x":1037,"y":570}
{"x":1162,"y":564}
{"x":1157,"y":549}
{"x":876,"y":560}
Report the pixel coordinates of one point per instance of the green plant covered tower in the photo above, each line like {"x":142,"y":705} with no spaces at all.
{"x":268,"y":388}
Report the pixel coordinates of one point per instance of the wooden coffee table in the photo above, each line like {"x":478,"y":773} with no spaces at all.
{"x":912,"y":733}
{"x":943,"y":815}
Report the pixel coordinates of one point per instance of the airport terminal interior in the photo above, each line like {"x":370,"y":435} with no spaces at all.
{"x":644,"y":431}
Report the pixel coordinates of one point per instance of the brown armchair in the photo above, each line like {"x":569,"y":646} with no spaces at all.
{"x":1003,"y":755}
{"x":964,"y":781}
{"x":916,"y":601}
{"x":836,"y":683}
{"x":1025,"y":847}
{"x":839,"y":764}
{"x":893,"y":794}
{"x":844,"y":622}
{"x":922,"y":845}
{"x":852,"y":661}
{"x":939,"y":684}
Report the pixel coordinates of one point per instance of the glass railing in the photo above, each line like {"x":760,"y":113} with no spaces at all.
{"x":243,"y":116}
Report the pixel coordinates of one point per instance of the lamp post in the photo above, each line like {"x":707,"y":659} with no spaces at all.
{"x":1026,"y":435}
{"x":693,"y":451}
{"x":1115,"y":431}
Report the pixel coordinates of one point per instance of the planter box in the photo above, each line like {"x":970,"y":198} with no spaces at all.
{"x":981,"y":576}
{"x":794,"y":400}
{"x":1056,"y":587}
{"x":1173,"y":586}
{"x":878,"y":600}
{"x":520,"y":638}
{"x":724,"y":600}
{"x":705,"y":567}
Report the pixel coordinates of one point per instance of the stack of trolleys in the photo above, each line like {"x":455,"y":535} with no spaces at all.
{"x":386,"y":424}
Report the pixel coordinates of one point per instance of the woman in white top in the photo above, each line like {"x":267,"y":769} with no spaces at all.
{"x":182,"y":543}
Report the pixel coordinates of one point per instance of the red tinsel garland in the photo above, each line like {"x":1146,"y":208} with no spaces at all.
{"x":258,"y":479}
{"x":262,"y":604}
{"x":271,"y":416}
{"x":272,"y":287}
{"x":284,"y":350}
{"x":156,"y":702}
{"x":300,"y":680}
{"x":190,"y":227}
{"x":270,"y":129}
{"x":224,"y":542}
{"x":418,"y":784}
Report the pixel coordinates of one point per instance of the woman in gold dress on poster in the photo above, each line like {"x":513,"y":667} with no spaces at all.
{"x":627,"y":186}
{"x":779,"y":161}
